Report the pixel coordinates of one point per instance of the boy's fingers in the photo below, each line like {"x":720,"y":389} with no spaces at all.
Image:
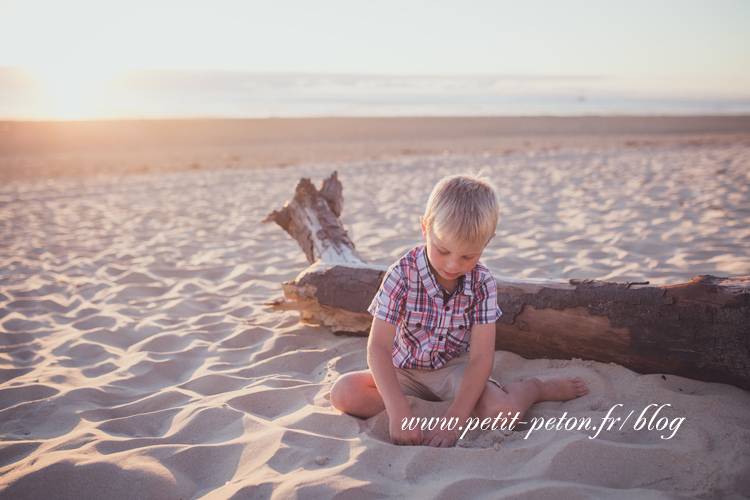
{"x":440,"y":439}
{"x":429,"y":438}
{"x":408,"y":439}
{"x":448,"y":443}
{"x":418,"y":439}
{"x":435,"y":442}
{"x":439,"y":442}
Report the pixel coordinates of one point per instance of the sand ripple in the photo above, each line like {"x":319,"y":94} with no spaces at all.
{"x":137,"y":359}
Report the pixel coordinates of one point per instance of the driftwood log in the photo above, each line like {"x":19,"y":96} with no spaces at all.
{"x":699,"y":329}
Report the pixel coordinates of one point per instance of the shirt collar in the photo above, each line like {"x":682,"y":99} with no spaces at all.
{"x":431,"y":286}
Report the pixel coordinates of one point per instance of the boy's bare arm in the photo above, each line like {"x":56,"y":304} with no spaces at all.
{"x":379,"y":349}
{"x":478,"y":371}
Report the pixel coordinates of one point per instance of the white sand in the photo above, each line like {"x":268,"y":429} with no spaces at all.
{"x":138,"y":361}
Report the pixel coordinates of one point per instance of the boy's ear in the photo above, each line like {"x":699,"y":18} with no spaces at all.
{"x":424,"y":231}
{"x":488,"y":241}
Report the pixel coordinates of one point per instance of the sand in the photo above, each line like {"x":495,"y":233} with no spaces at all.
{"x":137,"y":359}
{"x":43,"y":150}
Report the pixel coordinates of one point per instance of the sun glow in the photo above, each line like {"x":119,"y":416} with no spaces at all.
{"x":70,"y":51}
{"x":69,"y":91}
{"x":647,"y":51}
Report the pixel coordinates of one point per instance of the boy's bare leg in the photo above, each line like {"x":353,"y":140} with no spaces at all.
{"x":355,"y":393}
{"x":517,"y":397}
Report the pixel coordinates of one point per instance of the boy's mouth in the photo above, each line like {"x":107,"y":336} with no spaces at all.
{"x":450,"y":275}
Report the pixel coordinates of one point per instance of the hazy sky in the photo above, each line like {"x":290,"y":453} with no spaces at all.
{"x":705,"y":41}
{"x":693,"y":50}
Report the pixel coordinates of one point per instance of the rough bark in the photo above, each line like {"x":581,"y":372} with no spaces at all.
{"x":312,"y":218}
{"x":336,"y":296}
{"x":699,"y":329}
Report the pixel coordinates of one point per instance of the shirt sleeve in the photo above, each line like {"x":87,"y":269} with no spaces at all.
{"x":486,"y":309}
{"x":388,"y":303}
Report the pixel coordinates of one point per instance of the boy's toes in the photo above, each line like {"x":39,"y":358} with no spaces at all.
{"x":579,"y":386}
{"x":563,"y":388}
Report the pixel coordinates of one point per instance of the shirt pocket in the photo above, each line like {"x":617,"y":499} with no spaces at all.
{"x":419,"y":329}
{"x":461,"y":323}
{"x":458,"y":336}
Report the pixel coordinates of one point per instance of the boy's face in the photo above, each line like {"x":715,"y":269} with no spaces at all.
{"x":449,"y":261}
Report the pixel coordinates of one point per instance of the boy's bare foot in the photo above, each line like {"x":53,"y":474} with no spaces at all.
{"x":562,"y":388}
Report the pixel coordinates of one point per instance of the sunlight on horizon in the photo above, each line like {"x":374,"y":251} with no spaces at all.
{"x":67,"y":92}
{"x":78,"y":50}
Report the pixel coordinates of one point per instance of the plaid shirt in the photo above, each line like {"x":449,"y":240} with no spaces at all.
{"x":430,"y":332}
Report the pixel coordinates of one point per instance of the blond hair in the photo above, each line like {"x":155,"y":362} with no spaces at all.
{"x":463,"y":209}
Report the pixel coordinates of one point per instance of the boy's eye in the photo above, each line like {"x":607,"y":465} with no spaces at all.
{"x":442,"y":252}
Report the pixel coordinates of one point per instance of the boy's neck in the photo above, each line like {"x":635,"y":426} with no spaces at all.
{"x":448,"y":285}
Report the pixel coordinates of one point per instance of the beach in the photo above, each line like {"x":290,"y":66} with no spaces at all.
{"x":43,"y":150}
{"x":138,"y":358}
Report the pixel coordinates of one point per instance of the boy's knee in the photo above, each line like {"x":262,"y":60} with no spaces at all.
{"x":494,"y":408}
{"x":491,"y":407}
{"x":337,"y":392}
{"x":341,"y":391}
{"x":356,"y":394}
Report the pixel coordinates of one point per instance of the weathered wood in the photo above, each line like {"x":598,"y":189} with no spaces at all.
{"x":312,"y":218}
{"x":699,"y":329}
{"x":336,"y":296}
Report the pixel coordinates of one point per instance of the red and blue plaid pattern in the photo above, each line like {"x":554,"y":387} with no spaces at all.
{"x":430,"y":332}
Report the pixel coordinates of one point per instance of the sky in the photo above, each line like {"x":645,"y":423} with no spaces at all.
{"x":684,"y":48}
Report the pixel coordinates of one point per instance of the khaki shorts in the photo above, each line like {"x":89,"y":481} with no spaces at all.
{"x":435,"y":385}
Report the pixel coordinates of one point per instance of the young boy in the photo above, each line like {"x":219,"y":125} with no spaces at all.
{"x":433,"y":332}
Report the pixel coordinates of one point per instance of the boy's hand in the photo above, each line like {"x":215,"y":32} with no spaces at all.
{"x":444,"y":438}
{"x":404,"y":437}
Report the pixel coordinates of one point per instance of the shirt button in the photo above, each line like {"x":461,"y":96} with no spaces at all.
{"x":460,"y":327}
{"x":418,"y":325}
{"x":447,"y":308}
